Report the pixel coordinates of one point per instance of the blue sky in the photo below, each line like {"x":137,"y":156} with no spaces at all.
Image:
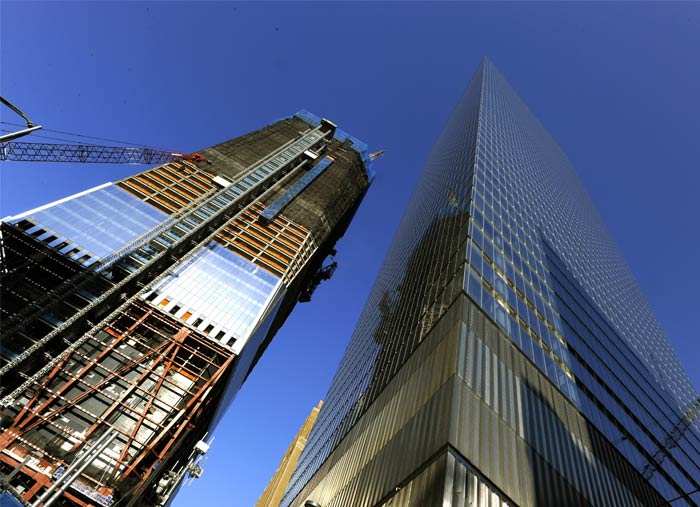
{"x":616,"y":85}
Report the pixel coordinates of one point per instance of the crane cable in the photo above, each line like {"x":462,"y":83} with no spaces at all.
{"x":31,"y":124}
{"x":52,"y":138}
{"x":92,"y":137}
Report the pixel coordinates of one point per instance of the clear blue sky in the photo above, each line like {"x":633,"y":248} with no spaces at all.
{"x":616,"y":85}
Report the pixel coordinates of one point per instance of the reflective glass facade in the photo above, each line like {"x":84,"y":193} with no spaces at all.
{"x":224,"y":294}
{"x":94,"y":223}
{"x":556,"y":382}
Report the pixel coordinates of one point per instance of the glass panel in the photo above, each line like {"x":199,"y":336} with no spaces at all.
{"x":100,"y":221}
{"x":230,"y":292}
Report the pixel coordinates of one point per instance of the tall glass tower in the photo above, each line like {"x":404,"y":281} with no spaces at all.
{"x":133,"y":312}
{"x":505,"y":356}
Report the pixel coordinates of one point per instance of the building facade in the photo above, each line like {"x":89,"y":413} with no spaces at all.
{"x":505,"y":355}
{"x":133,"y":312}
{"x":272,"y":495}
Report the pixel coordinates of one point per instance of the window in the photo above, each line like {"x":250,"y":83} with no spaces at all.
{"x":25,"y":224}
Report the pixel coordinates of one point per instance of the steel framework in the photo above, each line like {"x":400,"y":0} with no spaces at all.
{"x":145,"y":377}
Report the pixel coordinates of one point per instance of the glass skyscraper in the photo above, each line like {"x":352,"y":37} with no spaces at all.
{"x":133,"y":312}
{"x":505,"y":355}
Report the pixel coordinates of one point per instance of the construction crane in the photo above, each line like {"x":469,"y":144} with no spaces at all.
{"x":81,"y":153}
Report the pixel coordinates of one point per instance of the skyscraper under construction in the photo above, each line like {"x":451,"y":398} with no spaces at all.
{"x":505,"y":356}
{"x":133,"y":312}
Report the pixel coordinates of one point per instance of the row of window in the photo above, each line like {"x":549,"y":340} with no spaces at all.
{"x":527,"y":192}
